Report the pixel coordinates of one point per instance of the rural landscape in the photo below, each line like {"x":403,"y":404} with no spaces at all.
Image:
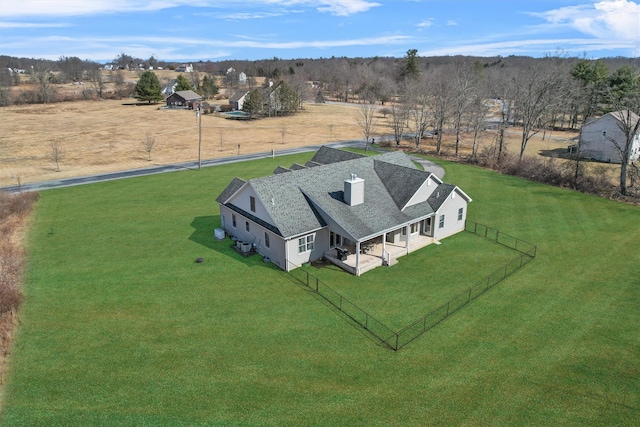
{"x":120,"y":307}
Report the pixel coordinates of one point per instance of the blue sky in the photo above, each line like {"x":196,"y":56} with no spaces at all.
{"x":191,"y":30}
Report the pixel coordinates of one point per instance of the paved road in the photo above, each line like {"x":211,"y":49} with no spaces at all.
{"x":68,"y":182}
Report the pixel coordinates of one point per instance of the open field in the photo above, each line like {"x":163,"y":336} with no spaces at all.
{"x":107,"y":136}
{"x":121,"y":327}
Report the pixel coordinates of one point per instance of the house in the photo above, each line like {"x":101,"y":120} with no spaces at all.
{"x":184,"y":98}
{"x":184,"y":68}
{"x":237,"y":99}
{"x":358,"y":212}
{"x":597,"y":137}
{"x":170,"y":88}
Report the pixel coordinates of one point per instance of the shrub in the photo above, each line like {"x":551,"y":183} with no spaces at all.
{"x":13,"y":210}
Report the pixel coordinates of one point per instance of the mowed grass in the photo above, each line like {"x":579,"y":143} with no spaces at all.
{"x":427,"y":278}
{"x":121,"y":327}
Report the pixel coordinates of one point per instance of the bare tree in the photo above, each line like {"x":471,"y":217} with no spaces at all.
{"x":365,"y":118}
{"x":221,"y":137}
{"x":148,"y":143}
{"x":628,"y":122}
{"x":397,"y":119}
{"x":283,"y":132}
{"x":439,"y":85}
{"x":44,"y":79}
{"x":56,"y":153}
{"x":476,"y":117}
{"x":416,"y":104}
{"x":539,"y":90}
{"x":463,"y":84}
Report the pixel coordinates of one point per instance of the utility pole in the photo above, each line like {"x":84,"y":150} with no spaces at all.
{"x":199,"y":116}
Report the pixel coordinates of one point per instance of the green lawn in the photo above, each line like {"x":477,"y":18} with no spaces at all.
{"x":422,"y":281}
{"x":121,"y":327}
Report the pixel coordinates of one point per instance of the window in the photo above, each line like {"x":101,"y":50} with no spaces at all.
{"x":441,"y":223}
{"x":415,"y":227}
{"x":252,"y":202}
{"x":233,"y":221}
{"x":266,"y":240}
{"x":306,"y":244}
{"x":246,"y":225}
{"x":460,"y":212}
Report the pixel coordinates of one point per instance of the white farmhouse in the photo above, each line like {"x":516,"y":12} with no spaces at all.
{"x":603,"y":138}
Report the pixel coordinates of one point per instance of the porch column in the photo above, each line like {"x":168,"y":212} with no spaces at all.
{"x":357,"y":258}
{"x":406,"y":232}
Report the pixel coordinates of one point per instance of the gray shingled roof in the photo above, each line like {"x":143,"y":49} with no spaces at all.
{"x":281,"y":169}
{"x":327,"y":155}
{"x":304,"y":200}
{"x":233,"y":186}
{"x":400,"y":181}
{"x":188,"y":95}
{"x":238,"y":95}
{"x":440,"y":194}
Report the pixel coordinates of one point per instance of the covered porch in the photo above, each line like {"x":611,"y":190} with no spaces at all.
{"x":375,"y":252}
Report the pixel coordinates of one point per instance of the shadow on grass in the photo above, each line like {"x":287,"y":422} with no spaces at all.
{"x":204,"y":235}
{"x":204,"y":227}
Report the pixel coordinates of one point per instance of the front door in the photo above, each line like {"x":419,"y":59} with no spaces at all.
{"x":426,"y":227}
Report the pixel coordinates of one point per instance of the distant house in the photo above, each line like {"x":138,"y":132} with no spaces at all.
{"x":184,"y":98}
{"x":237,"y":99}
{"x":184,"y":68}
{"x":358,"y":212}
{"x":597,"y":137}
{"x":170,"y":88}
{"x":242,"y":78}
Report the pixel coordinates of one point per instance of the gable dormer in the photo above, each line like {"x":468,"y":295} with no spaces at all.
{"x":425,"y":191}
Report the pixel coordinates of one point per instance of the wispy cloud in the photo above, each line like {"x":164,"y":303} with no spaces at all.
{"x":426,"y":23}
{"x":541,"y":46}
{"x":604,"y":19}
{"x":22,"y":8}
{"x":32,"y":25}
{"x":345,"y":7}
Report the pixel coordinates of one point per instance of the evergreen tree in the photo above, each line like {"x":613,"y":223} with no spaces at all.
{"x":182,"y":84}
{"x":253,"y":103}
{"x":148,"y":88}
{"x":320,"y":98}
{"x":410,"y":69}
{"x":208,"y":88}
{"x":624,"y":85}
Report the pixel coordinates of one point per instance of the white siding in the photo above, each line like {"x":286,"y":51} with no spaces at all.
{"x":423,"y":193}
{"x":450,"y":211}
{"x":596,"y":140}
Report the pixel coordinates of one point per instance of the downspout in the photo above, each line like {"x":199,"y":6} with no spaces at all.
{"x":286,"y":255}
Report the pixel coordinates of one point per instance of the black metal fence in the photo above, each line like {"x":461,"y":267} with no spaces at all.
{"x":396,"y":340}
